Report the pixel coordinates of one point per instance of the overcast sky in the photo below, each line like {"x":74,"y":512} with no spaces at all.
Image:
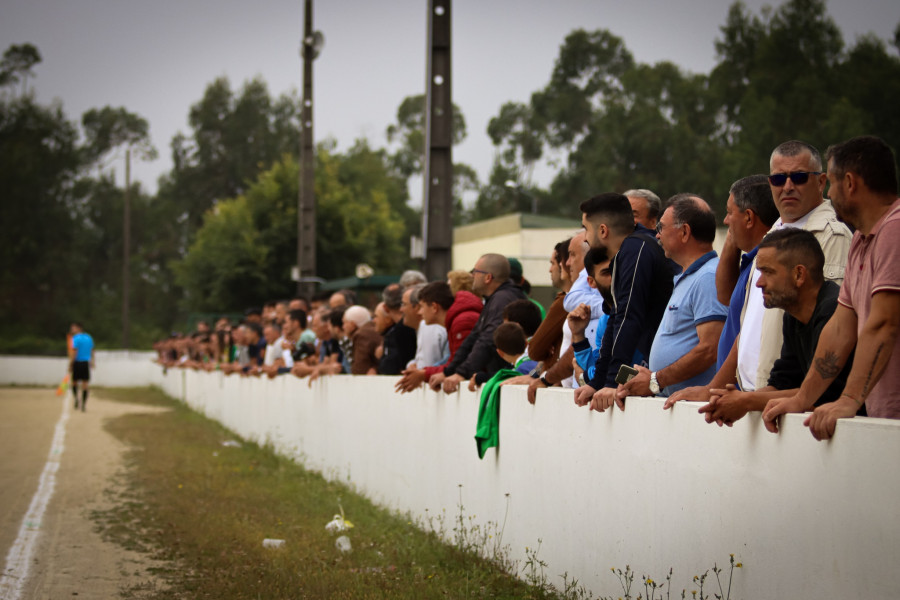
{"x":156,"y":58}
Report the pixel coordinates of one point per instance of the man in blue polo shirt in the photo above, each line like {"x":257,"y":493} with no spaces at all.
{"x":83,"y":348}
{"x":750,"y":213}
{"x":684,"y":348}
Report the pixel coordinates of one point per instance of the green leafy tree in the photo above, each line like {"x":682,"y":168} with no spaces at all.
{"x":17,"y":63}
{"x":235,"y":136}
{"x":408,"y":156}
{"x":244,"y":252}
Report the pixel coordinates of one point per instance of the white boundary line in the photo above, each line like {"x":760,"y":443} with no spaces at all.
{"x":18,"y":560}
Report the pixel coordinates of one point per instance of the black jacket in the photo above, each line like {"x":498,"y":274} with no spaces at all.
{"x":641,"y":287}
{"x":478,"y":352}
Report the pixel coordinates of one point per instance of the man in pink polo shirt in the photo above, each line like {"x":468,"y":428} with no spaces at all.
{"x":863,"y":176}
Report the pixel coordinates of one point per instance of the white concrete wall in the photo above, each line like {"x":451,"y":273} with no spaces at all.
{"x":113,"y":369}
{"x":644,"y":487}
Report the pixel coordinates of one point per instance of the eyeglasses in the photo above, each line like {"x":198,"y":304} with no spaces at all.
{"x":659,"y":226}
{"x":797,"y":177}
{"x":473,"y":271}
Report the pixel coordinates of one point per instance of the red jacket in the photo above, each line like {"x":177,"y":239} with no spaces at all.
{"x":461,"y":318}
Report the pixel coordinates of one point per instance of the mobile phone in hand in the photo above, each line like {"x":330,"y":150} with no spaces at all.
{"x":625,"y":374}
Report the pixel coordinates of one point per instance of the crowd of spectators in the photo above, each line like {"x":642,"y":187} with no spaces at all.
{"x":799,"y":312}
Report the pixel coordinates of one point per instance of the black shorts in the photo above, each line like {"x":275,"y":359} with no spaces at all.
{"x":81,"y":370}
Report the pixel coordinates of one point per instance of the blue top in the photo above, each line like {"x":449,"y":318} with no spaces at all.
{"x":83,"y":344}
{"x":733,"y":323}
{"x":693,"y":303}
{"x":581,"y":292}
{"x":586,"y":354}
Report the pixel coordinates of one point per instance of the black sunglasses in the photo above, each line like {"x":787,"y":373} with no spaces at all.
{"x":797,"y":177}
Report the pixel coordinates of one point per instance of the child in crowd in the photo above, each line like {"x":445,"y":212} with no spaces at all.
{"x":511,"y":344}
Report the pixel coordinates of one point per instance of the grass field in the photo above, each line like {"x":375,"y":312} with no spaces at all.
{"x":207,"y":508}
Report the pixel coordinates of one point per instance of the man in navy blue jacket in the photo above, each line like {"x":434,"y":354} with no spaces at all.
{"x":641,"y":287}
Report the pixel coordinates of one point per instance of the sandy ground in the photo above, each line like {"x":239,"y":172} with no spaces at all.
{"x":71,"y":559}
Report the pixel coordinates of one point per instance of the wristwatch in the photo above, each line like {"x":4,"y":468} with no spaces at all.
{"x":654,"y":385}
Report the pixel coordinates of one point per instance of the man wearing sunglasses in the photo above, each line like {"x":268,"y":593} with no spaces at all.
{"x":797,"y":181}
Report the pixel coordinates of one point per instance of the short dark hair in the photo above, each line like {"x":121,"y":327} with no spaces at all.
{"x":869,"y":157}
{"x":562,"y":251}
{"x":753,"y":193}
{"x":510,"y":338}
{"x":795,"y":247}
{"x":594,"y":257}
{"x":336,"y":316}
{"x":438,"y":292}
{"x":796,"y":148}
{"x":299,"y":315}
{"x":392,"y":296}
{"x":692,"y":210}
{"x":524,"y":312}
{"x":611,"y":209}
{"x":254,"y":327}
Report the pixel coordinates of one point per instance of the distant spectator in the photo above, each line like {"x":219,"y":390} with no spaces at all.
{"x":431,"y":339}
{"x":458,"y":315}
{"x":516,"y":274}
{"x":460,"y":280}
{"x":342,"y":298}
{"x":596,"y":263}
{"x":299,"y":303}
{"x":477,"y":353}
{"x":411,"y":278}
{"x":360,"y":329}
{"x":253,"y":315}
{"x":510,"y":343}
{"x":645,"y":206}
{"x":399,"y":345}
{"x":544,"y":346}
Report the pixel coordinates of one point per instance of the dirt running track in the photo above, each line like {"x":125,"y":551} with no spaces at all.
{"x":70,"y":559}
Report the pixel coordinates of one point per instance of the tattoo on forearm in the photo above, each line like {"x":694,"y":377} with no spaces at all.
{"x":827,"y":366}
{"x":865,"y":390}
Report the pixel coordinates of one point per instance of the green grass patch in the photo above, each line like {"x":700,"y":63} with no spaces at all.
{"x":207,"y":508}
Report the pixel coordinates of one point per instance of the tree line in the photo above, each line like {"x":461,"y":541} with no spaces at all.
{"x":220,"y":232}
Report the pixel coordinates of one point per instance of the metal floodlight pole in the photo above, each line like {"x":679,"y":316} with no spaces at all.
{"x":306,"y":207}
{"x":437,"y":196}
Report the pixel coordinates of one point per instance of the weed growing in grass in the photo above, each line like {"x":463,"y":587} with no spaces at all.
{"x":652,"y":587}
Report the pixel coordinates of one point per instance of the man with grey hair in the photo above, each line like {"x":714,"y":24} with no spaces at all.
{"x":683,"y":352}
{"x":411,"y":277}
{"x":645,"y":205}
{"x":399,"y":345}
{"x":478,"y":353}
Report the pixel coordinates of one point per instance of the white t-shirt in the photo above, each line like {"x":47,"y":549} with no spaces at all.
{"x":431,"y":346}
{"x":749,"y":342}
